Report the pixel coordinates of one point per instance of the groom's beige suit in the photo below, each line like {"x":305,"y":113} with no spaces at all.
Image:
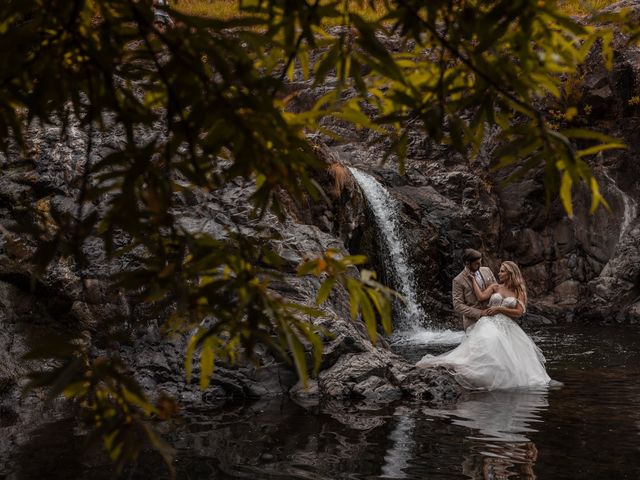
{"x":464,"y":298}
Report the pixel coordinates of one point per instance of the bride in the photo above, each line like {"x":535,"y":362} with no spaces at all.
{"x":496,"y":353}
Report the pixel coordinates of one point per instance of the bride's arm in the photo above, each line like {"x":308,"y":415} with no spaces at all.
{"x":480,"y":295}
{"x":514,"y":312}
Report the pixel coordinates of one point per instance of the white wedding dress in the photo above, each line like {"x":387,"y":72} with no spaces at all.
{"x":495,"y":354}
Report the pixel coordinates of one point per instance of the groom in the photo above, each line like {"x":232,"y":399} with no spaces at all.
{"x":465,"y":302}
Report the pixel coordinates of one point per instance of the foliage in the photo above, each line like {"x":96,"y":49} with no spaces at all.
{"x":211,"y":93}
{"x":583,"y":7}
{"x":365,"y":294}
{"x":227,"y":9}
{"x":112,"y":402}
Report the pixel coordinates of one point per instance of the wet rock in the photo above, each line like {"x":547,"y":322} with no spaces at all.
{"x":272,"y":380}
{"x":533,"y":319}
{"x":339,"y":380}
{"x":308,"y":395}
{"x":337,"y":348}
{"x":435,"y":385}
{"x":567,"y":293}
{"x":633,"y":313}
{"x":378,"y":389}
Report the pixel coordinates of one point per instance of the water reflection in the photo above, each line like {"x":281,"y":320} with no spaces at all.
{"x":587,"y":429}
{"x":497,"y":467}
{"x":396,"y":460}
{"x":498,"y":444}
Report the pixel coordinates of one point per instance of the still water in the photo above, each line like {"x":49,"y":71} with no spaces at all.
{"x":587,"y":429}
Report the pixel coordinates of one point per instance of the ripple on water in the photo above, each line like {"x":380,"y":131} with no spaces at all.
{"x":588,"y":429}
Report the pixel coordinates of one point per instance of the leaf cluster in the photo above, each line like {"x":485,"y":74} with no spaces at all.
{"x":207,"y":101}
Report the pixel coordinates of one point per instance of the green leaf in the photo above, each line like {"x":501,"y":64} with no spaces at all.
{"x":310,"y":311}
{"x":76,"y":389}
{"x":596,"y":197}
{"x":325,"y":290}
{"x":64,"y":376}
{"x":369,"y":317}
{"x":381,"y":303}
{"x":138,"y":400}
{"x":327,"y":62}
{"x":291,"y":71}
{"x":316,"y":344}
{"x":518,"y":149}
{"x":207,"y":358}
{"x":588,"y":135}
{"x":354,"y":259}
{"x":303,"y":57}
{"x":307,"y":267}
{"x":607,"y":50}
{"x":600,"y":148}
{"x":565,"y":193}
{"x":547,"y":82}
{"x":299,"y":359}
{"x":354,"y":297}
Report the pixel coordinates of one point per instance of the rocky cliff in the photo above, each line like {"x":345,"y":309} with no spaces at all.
{"x":85,"y":304}
{"x":580,"y":269}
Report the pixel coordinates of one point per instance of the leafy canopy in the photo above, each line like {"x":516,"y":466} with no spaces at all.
{"x":213,"y":92}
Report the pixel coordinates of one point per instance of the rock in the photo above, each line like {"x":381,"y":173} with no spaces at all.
{"x":308,"y":395}
{"x":533,"y":319}
{"x":378,"y":389}
{"x":633,"y":313}
{"x":339,"y":380}
{"x":337,"y":348}
{"x":435,"y":385}
{"x":599,"y":100}
{"x":273,"y":379}
{"x":567,"y":293}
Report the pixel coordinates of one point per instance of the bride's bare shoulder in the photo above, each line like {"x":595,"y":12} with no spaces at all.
{"x":504,"y":291}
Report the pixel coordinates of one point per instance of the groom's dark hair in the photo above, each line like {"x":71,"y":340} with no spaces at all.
{"x":471,"y":255}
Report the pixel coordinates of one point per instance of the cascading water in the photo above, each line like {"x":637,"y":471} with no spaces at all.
{"x":385,"y":212}
{"x":630,"y":207}
{"x":409,"y":326}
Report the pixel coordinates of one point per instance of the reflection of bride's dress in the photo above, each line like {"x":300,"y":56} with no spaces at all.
{"x":496,"y":353}
{"x":503,"y":415}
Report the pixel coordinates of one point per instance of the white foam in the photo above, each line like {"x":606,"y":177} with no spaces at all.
{"x":421,"y":336}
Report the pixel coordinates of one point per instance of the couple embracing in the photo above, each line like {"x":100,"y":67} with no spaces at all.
{"x":495,"y":353}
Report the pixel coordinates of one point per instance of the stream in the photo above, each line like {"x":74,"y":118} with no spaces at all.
{"x":587,"y":429}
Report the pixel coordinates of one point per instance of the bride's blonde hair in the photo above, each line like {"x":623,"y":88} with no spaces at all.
{"x":516,"y":281}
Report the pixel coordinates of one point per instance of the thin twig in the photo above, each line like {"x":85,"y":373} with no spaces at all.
{"x":460,"y":56}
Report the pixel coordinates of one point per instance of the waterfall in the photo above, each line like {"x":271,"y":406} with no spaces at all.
{"x":387,"y":217}
{"x":630,"y":207}
{"x":409,"y":327}
{"x":630,"y":212}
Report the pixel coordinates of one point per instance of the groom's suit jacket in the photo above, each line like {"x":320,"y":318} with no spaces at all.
{"x":464,"y":299}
